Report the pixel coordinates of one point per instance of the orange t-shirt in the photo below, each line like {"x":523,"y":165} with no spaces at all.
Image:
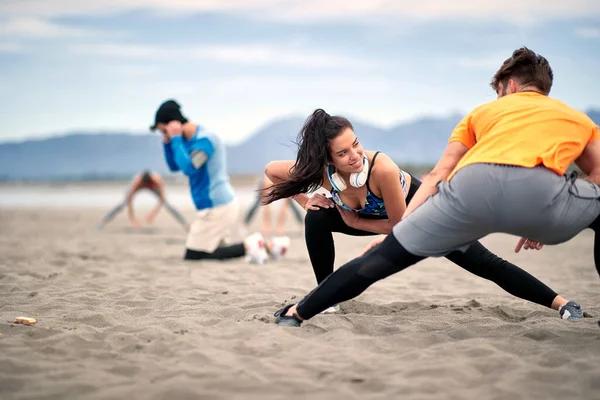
{"x":524,"y":129}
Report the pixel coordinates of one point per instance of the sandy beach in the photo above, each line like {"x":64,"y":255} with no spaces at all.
{"x":120,"y":315}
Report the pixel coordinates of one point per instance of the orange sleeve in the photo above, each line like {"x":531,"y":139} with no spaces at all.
{"x":595,"y":134}
{"x":463,"y":133}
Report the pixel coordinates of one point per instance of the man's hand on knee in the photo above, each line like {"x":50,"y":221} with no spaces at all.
{"x":373,"y":244}
{"x":528,"y":244}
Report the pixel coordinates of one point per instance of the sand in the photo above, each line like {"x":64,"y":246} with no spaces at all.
{"x":120,"y":315}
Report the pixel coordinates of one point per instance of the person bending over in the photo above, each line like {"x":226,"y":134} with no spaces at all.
{"x":147,"y":180}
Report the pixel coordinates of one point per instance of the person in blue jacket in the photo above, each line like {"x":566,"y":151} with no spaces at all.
{"x":201,"y":156}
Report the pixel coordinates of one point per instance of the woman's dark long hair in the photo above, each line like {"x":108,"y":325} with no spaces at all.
{"x":313,"y":156}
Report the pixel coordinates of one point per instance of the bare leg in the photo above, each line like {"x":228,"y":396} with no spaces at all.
{"x":111,"y":214}
{"x":176,"y":214}
{"x":282,"y":216}
{"x":266,"y":219}
{"x":297,"y":210}
{"x":252,"y":211}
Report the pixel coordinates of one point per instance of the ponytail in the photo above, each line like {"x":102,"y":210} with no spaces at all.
{"x":313,"y":155}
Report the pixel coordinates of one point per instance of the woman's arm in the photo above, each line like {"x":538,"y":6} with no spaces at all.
{"x":280,"y":171}
{"x":386,"y":177}
{"x":589,"y":160}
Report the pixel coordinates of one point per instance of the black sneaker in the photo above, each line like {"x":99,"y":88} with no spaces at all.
{"x":282,"y":319}
{"x":571,"y":311}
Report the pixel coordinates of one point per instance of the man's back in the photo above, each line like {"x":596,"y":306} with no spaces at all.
{"x":525,"y":129}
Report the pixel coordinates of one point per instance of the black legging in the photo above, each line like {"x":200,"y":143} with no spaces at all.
{"x":390,"y":257}
{"x":595,"y":226}
{"x":318,"y":234}
{"x":319,"y":226}
{"x":220,"y":253}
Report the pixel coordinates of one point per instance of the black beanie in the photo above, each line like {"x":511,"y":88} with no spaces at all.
{"x":168,"y":111}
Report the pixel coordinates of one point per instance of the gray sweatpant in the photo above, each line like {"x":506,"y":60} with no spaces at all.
{"x":487,"y":198}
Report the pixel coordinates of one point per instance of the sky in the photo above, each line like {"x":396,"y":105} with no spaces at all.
{"x":235,"y":65}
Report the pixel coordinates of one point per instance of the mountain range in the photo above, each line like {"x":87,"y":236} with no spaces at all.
{"x":114,"y":155}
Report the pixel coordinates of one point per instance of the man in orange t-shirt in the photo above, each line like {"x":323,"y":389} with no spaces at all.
{"x":503,"y":171}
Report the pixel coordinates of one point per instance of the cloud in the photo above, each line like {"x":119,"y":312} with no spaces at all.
{"x":483,"y":62}
{"x":588,"y":32}
{"x":494,"y":59}
{"x":133,"y":71}
{"x":36,"y":27}
{"x":119,"y":50}
{"x":10,"y":47}
{"x":258,"y":54}
{"x":277,"y":55}
{"x":339,"y":85}
{"x":321,"y":10}
{"x":509,"y":10}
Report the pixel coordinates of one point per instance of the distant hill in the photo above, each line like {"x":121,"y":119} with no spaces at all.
{"x":80,"y":155}
{"x":89,"y":155}
{"x":594,"y":115}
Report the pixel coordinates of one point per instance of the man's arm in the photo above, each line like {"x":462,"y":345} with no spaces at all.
{"x":169,"y":158}
{"x":190,"y":162}
{"x":454,"y":152}
{"x":589,"y":163}
{"x":589,"y":160}
{"x":462,"y":139}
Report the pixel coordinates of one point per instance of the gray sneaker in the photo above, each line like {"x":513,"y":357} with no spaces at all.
{"x":282,"y":319}
{"x":331,"y":310}
{"x":571,"y":311}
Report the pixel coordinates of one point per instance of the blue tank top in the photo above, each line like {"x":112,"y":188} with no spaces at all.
{"x":374,"y":205}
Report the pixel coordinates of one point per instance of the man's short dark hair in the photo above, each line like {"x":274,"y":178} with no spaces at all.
{"x":527,"y":68}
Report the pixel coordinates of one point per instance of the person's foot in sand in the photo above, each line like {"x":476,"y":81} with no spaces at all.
{"x":288,"y":315}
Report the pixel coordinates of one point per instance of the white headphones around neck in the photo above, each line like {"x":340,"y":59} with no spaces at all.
{"x":357,"y":179}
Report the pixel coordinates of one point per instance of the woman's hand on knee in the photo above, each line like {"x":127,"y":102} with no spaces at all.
{"x":318,"y":201}
{"x":528,"y":244}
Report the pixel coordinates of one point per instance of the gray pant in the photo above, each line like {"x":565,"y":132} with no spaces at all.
{"x":486,"y":198}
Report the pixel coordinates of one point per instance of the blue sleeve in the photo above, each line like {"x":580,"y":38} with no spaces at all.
{"x":182,"y":156}
{"x":169,"y":157}
{"x":204,"y":144}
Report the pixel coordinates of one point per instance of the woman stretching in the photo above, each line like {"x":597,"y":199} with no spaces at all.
{"x":369,"y":195}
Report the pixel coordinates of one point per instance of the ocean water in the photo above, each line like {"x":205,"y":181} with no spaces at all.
{"x":86,"y":195}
